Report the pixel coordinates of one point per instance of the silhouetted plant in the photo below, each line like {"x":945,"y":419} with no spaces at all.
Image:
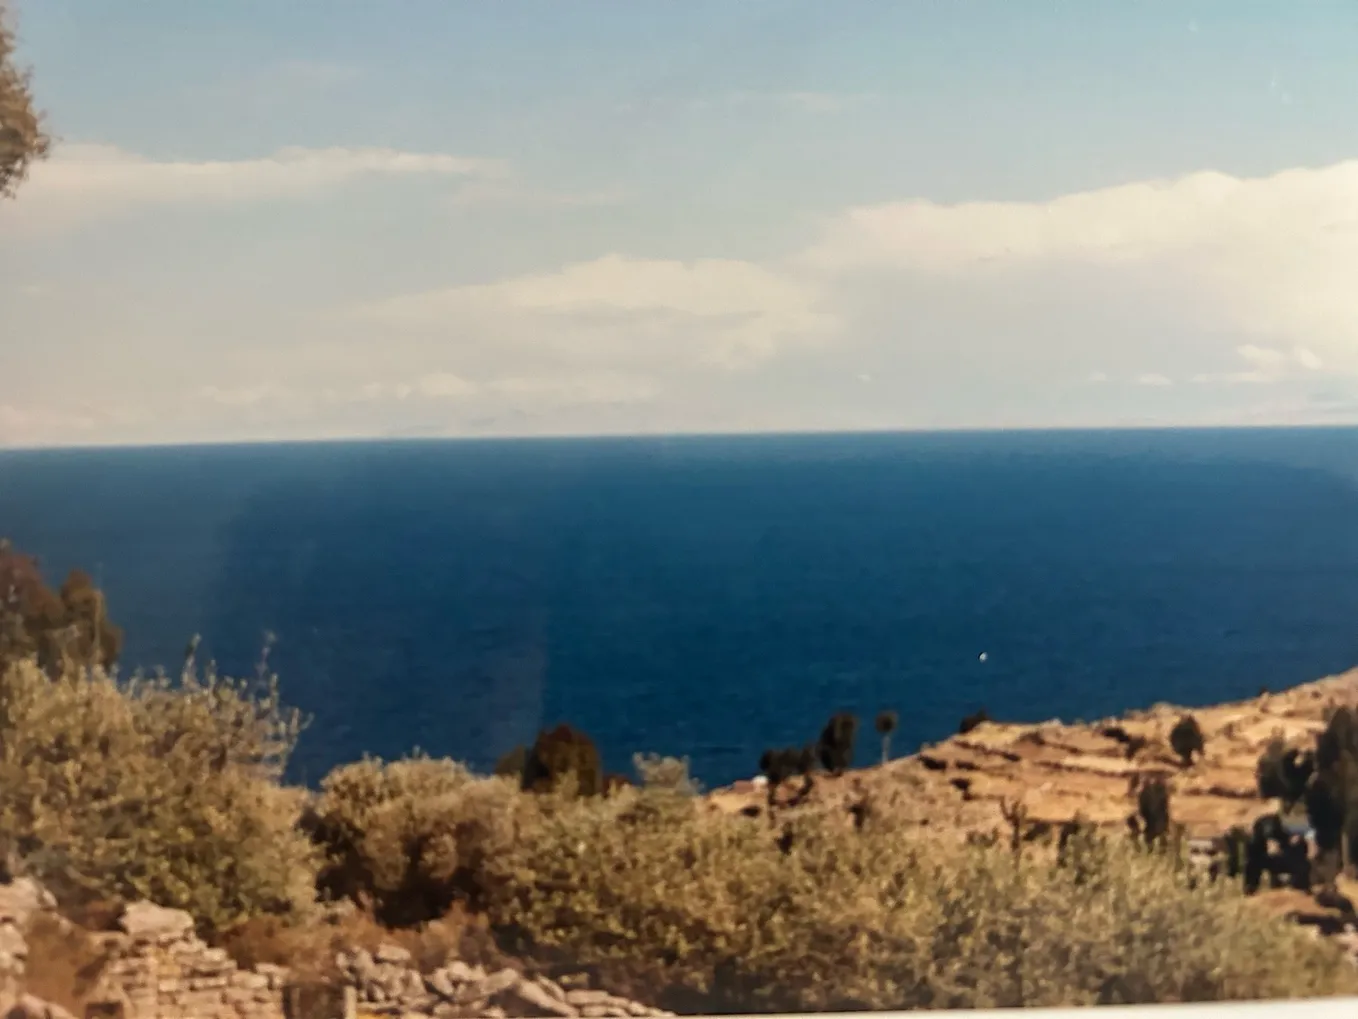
{"x":1325,"y":811}
{"x":1186,"y":739}
{"x":836,"y":743}
{"x":511,"y":765}
{"x":560,"y":752}
{"x":780,"y":765}
{"x":972,"y":721}
{"x":1332,"y":799}
{"x":1283,"y":772}
{"x":776,"y":766}
{"x":1152,"y":804}
{"x":885,"y":724}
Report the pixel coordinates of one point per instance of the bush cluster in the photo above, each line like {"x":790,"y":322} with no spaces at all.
{"x":403,"y":837}
{"x":723,"y":915}
{"x":150,"y":789}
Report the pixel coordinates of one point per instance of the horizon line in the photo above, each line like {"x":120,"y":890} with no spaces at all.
{"x":375,"y":440}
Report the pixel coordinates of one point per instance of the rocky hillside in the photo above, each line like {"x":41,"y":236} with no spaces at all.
{"x":1060,"y":770}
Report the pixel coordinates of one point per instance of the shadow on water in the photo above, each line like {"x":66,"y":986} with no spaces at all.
{"x":712,"y":597}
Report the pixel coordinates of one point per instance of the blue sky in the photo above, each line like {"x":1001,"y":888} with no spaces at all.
{"x":327,"y":219}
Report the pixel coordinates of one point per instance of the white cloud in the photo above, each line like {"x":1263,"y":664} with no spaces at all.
{"x":82,"y":181}
{"x":1269,"y":261}
{"x":622,"y":309}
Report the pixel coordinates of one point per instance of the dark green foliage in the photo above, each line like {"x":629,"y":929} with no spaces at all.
{"x":1273,"y":850}
{"x":885,"y":724}
{"x":560,"y":752}
{"x":1152,"y":804}
{"x":777,"y":766}
{"x":972,"y":721}
{"x":61,"y":629}
{"x":1332,"y":798}
{"x":788,"y":762}
{"x":1337,"y":746}
{"x":511,"y":765}
{"x":1325,"y":810}
{"x":836,"y":743}
{"x":1283,"y":772}
{"x":1186,"y":739}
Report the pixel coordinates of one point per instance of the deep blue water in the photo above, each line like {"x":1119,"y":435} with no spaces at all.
{"x":712,"y":596}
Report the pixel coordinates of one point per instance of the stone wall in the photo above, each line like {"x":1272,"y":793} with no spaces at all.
{"x":159,"y":969}
{"x":388,"y":985}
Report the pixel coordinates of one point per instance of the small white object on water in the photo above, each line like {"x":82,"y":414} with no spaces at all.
{"x":984,"y":655}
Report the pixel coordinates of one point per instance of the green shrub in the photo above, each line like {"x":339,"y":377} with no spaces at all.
{"x":403,"y":838}
{"x":154,"y":790}
{"x":713,"y":913}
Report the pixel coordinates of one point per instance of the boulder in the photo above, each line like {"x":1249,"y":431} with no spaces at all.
{"x":22,"y":899}
{"x":145,"y":922}
{"x":392,"y":955}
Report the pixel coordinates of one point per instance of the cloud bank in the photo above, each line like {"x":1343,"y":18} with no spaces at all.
{"x":89,"y":181}
{"x":1206,"y":298}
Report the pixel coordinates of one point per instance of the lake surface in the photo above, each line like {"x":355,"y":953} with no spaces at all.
{"x":710,"y":597}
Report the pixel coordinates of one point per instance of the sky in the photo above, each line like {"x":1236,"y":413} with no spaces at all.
{"x":332,"y":218}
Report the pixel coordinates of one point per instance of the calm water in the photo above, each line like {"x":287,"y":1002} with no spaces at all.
{"x":711,"y":597}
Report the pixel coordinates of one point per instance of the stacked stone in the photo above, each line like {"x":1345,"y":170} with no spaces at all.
{"x":389,"y":985}
{"x":159,"y":969}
